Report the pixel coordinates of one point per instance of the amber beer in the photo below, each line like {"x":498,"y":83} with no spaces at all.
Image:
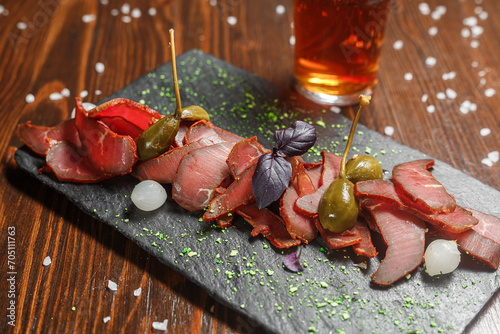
{"x":337,"y":48}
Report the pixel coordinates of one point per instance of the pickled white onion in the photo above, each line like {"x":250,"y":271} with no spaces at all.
{"x":441,"y":257}
{"x":148,"y":195}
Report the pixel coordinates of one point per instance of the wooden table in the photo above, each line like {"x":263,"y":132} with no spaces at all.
{"x":59,"y":48}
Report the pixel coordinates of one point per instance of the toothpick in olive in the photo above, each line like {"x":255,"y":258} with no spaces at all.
{"x":338,"y":208}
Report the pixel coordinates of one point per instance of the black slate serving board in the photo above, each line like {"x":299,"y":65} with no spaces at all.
{"x":245,"y":273}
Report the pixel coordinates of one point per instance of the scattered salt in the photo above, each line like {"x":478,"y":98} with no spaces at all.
{"x":47,"y":261}
{"x":450,"y":93}
{"x":448,"y":76}
{"x":115,"y":12}
{"x":232,"y":20}
{"x":98,"y":92}
{"x":106,"y":319}
{"x":84,"y":93}
{"x":474,"y":64}
{"x":483,"y":15}
{"x":335,"y":109}
{"x":441,"y":9}
{"x":88,"y":18}
{"x":476,"y":31}
{"x":99,"y":67}
{"x":292,"y":40}
{"x":21,"y":25}
{"x":465,"y":32}
{"x":2,"y":9}
{"x":408,"y":76}
{"x":136,"y":13}
{"x":152,"y":11}
{"x":470,"y":21}
{"x":55,"y":96}
{"x":430,"y":109}
{"x":161,"y":326}
{"x":430,"y":61}
{"x":424,"y":98}
{"x":213,"y":3}
{"x":137,"y":292}
{"x":494,"y":156}
{"x":30,"y":98}
{"x":474,"y":44}
{"x":481,"y":73}
{"x":126,"y":19}
{"x":125,"y":9}
{"x":424,"y":8}
{"x":398,"y":45}
{"x":65,"y":92}
{"x":484,"y":132}
{"x":112,"y":285}
{"x":482,"y":82}
{"x":104,"y":2}
{"x":487,"y":162}
{"x":441,"y":96}
{"x":280,"y":9}
{"x":389,"y":130}
{"x":433,"y":31}
{"x":489,"y":92}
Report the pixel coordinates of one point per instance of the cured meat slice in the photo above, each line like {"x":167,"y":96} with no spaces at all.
{"x":308,"y":178}
{"x":404,"y":235}
{"x":226,"y":135}
{"x":181,"y":133}
{"x":163,"y":168}
{"x":299,"y":226}
{"x":131,"y":112}
{"x":237,"y":194}
{"x":244,"y":154}
{"x":35,"y":136}
{"x":338,"y":240}
{"x":105,"y":150}
{"x":122,"y":127}
{"x":488,"y":225}
{"x":199,"y":173}
{"x":202,"y":130}
{"x":225,"y":221}
{"x":457,"y":221}
{"x":268,"y":224}
{"x":419,"y":186}
{"x":365,"y":246}
{"x":308,"y":204}
{"x":65,"y":161}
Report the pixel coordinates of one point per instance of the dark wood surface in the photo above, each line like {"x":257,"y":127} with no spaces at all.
{"x":59,"y":50}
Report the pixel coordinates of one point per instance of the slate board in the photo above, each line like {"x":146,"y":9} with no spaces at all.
{"x":246,"y":273}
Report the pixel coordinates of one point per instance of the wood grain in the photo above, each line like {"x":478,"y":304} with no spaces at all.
{"x":58,"y":50}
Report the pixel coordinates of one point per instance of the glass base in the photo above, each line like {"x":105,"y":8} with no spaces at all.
{"x":332,"y":100}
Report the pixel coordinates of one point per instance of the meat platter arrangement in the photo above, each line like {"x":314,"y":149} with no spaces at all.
{"x":211,"y":173}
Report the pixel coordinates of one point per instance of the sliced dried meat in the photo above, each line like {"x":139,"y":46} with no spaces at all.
{"x":202,"y":130}
{"x":245,"y":153}
{"x":122,"y":126}
{"x":35,"y":137}
{"x":365,"y":247}
{"x":308,"y":204}
{"x":419,"y":186}
{"x":163,"y":168}
{"x":105,"y":150}
{"x":69,"y":165}
{"x":457,"y":221}
{"x":181,"y":133}
{"x":404,"y":235}
{"x":308,"y":178}
{"x":338,"y":240}
{"x":239,"y":193}
{"x":488,"y":225}
{"x":268,"y":224}
{"x":199,"y":173}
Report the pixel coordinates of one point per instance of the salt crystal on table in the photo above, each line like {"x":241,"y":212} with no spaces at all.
{"x":465,"y":32}
{"x":112,"y":285}
{"x":99,"y":67}
{"x":84,"y":93}
{"x":441,"y":96}
{"x":136,"y":13}
{"x":125,"y":9}
{"x":30,"y":98}
{"x":55,"y":96}
{"x":473,"y":107}
{"x":450,"y":93}
{"x":433,"y":31}
{"x":2,"y":9}
{"x":389,"y":130}
{"x":152,"y":11}
{"x":47,"y":261}
{"x":232,"y":20}
{"x":280,"y":9}
{"x":424,"y":98}
{"x":98,"y":92}
{"x":161,"y":326}
{"x":115,"y":12}
{"x":470,"y":21}
{"x":474,"y":64}
{"x":424,"y":8}
{"x":21,"y":25}
{"x":483,"y":15}
{"x":489,"y":92}
{"x":430,"y":61}
{"x":476,"y":31}
{"x":88,"y":18}
{"x":65,"y":92}
{"x":106,"y":319}
{"x":441,"y":9}
{"x":398,"y":45}
{"x":487,"y":162}
{"x":126,"y":19}
{"x":292,"y":40}
{"x":448,"y":76}
{"x":431,"y":109}
{"x":104,"y":2}
{"x":484,"y":132}
{"x":494,"y":156}
{"x":408,"y":76}
{"x":137,"y":292}
{"x":474,"y":44}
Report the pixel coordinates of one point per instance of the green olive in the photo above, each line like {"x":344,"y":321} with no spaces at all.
{"x":157,"y":139}
{"x":362,"y":168}
{"x":194,"y":113}
{"x":338,"y":208}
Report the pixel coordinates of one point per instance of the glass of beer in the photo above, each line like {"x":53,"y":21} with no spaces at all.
{"x":337,"y":48}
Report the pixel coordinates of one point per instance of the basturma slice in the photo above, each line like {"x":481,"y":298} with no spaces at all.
{"x":244,"y":154}
{"x":268,"y":224}
{"x":457,"y":221}
{"x":105,"y":150}
{"x":404,"y":235}
{"x":419,"y":186}
{"x":64,"y":160}
{"x":365,"y":247}
{"x":338,"y":240}
{"x":35,"y":136}
{"x":199,"y":173}
{"x":488,"y":226}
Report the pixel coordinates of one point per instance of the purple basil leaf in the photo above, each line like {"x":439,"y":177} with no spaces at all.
{"x":295,"y":140}
{"x":292,"y":263}
{"x":271,"y":177}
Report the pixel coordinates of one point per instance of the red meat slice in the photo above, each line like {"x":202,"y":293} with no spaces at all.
{"x":122,"y":127}
{"x":299,"y":226}
{"x":365,"y":246}
{"x":129,"y":111}
{"x":105,"y":150}
{"x":404,"y":235}
{"x":35,"y":136}
{"x":163,"y":169}
{"x":268,"y":224}
{"x":237,"y":194}
{"x":488,"y":225}
{"x":199,"y":173}
{"x":421,"y":188}
{"x":202,"y":130}
{"x":308,"y":178}
{"x":179,"y":137}
{"x":65,"y":161}
{"x":457,"y":221}
{"x":308,"y":204}
{"x":244,"y":154}
{"x":338,"y":240}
